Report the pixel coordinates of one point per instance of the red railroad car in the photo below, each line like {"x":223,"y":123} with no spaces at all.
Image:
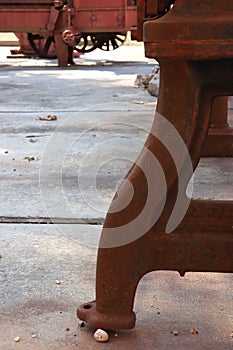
{"x":57,"y":27}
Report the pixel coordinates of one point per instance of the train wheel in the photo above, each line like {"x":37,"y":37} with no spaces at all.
{"x":85,"y":43}
{"x":110,"y":41}
{"x":41,"y":46}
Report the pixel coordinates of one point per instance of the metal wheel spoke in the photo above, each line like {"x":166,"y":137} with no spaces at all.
{"x":114,"y":43}
{"x":47,"y":46}
{"x":119,"y":38}
{"x":86,"y":43}
{"x":110,"y":41}
{"x":40,"y":45}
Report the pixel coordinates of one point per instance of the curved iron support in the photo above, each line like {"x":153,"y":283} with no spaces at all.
{"x":120,"y":268}
{"x":201,"y":239}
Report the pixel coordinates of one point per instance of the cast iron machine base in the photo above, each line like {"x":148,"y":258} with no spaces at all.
{"x":164,"y":230}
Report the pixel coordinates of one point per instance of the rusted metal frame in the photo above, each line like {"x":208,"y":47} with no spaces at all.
{"x":53,"y":17}
{"x":81,"y":20}
{"x":219,"y":114}
{"x":187,"y":22}
{"x":203,"y":240}
{"x":26,"y":2}
{"x":143,"y":8}
{"x":46,"y":20}
{"x":97,"y":3}
{"x":138,"y":34}
{"x":147,"y":10}
{"x":152,"y":7}
{"x":219,"y":142}
{"x":102,"y":9}
{"x":24,"y":22}
{"x":62,"y":50}
{"x":10,"y":21}
{"x":24,"y":9}
{"x":125,"y":12}
{"x":131,"y":17}
{"x":189,"y":248}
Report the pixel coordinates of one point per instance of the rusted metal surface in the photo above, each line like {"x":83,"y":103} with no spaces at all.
{"x":104,"y":15}
{"x":31,"y":44}
{"x":77,"y":22}
{"x":193,"y":44}
{"x":202,"y":30}
{"x":147,"y":10}
{"x":87,"y":16}
{"x":219,"y":142}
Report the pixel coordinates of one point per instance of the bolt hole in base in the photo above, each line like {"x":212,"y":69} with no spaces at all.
{"x":105,"y":320}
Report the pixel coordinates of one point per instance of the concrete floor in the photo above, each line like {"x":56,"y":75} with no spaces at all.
{"x":51,"y":215}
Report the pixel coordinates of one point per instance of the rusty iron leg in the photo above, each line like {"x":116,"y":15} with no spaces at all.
{"x":61,"y":50}
{"x":220,"y":139}
{"x":148,"y":232}
{"x":195,"y":245}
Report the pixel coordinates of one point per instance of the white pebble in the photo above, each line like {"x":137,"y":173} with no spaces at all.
{"x":101,"y":335}
{"x":17,"y":339}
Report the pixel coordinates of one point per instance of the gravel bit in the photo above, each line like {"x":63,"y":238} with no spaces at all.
{"x":101,"y":336}
{"x":194,"y":331}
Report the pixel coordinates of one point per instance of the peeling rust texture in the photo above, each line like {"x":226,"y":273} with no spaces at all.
{"x":193,"y":44}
